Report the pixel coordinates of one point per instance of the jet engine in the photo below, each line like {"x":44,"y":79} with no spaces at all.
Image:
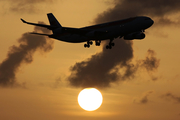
{"x":136,"y":35}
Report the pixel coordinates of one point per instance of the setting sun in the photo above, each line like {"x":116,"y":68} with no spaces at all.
{"x":90,"y":99}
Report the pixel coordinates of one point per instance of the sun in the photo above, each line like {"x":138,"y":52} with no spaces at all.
{"x":90,"y":99}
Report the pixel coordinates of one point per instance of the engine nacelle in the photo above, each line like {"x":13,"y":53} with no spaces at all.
{"x":136,"y":35}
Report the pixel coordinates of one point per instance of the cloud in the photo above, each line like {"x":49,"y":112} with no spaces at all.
{"x":144,"y":99}
{"x":23,"y":54}
{"x":159,"y":10}
{"x":27,"y":6}
{"x":100,"y":70}
{"x":170,"y":96}
{"x":109,"y":66}
{"x":150,"y":63}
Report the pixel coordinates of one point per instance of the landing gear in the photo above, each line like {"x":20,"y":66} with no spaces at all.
{"x":110,"y":44}
{"x":88,"y":44}
{"x":108,"y":47}
{"x":98,"y":42}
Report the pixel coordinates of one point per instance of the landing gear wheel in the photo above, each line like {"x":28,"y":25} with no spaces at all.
{"x":90,"y":42}
{"x":86,"y":45}
{"x":97,"y":44}
{"x":112,"y":44}
{"x":108,"y":47}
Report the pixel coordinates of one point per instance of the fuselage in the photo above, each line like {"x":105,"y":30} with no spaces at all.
{"x":106,"y":31}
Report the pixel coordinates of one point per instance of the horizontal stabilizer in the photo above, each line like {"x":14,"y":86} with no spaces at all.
{"x":40,"y":34}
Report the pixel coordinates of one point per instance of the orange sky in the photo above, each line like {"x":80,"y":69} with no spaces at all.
{"x":48,"y":95}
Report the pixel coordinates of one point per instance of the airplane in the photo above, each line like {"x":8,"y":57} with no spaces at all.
{"x":129,"y":29}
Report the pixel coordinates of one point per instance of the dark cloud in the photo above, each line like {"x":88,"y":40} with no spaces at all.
{"x":102,"y":68}
{"x":170,"y":96}
{"x":110,"y":66}
{"x":158,"y":9}
{"x":28,"y":6}
{"x":150,"y":63}
{"x":144,"y":99}
{"x":23,"y":54}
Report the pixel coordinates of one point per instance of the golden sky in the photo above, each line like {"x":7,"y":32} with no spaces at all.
{"x":46,"y":93}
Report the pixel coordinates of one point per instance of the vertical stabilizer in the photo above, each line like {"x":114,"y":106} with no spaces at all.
{"x":53,"y":22}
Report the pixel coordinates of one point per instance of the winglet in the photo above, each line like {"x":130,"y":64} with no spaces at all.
{"x":23,"y":21}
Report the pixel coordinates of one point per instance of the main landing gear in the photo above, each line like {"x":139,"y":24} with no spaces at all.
{"x":98,"y":42}
{"x":109,"y":46}
{"x":88,"y":44}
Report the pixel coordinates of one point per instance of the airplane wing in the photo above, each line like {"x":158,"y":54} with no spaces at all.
{"x":65,"y":29}
{"x":80,"y":31}
{"x":40,"y":25}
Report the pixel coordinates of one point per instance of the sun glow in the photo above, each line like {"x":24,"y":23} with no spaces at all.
{"x":90,"y":99}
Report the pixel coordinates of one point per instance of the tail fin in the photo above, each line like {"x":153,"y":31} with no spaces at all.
{"x":53,"y":22}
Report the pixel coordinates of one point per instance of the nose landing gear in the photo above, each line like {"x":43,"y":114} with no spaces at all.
{"x":110,"y":44}
{"x":98,"y":42}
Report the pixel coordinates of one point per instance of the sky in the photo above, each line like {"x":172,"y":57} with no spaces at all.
{"x":40,"y":78}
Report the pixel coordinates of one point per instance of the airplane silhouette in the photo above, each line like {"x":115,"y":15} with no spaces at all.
{"x":129,"y":29}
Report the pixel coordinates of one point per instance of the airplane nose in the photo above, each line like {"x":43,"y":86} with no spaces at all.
{"x":151,"y":22}
{"x":148,"y":22}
